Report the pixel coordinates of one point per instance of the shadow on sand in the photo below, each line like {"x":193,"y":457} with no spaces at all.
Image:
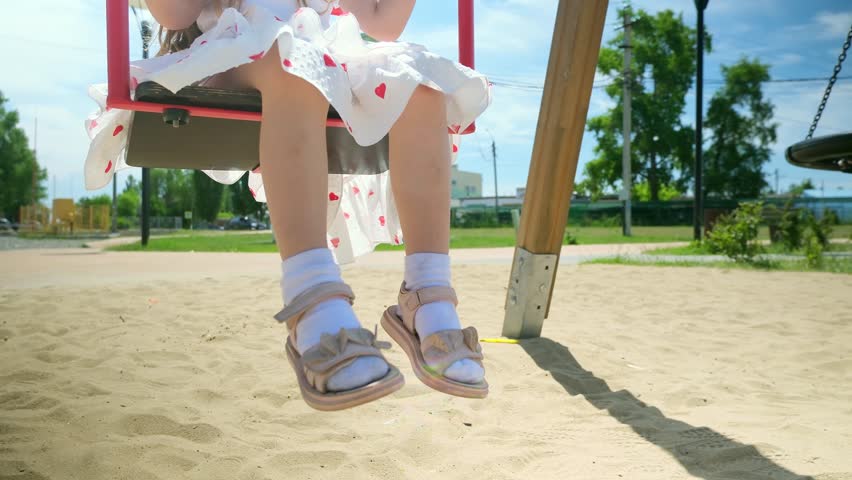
{"x":702,"y":451}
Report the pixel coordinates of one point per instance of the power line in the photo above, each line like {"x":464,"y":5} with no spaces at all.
{"x":531,"y":86}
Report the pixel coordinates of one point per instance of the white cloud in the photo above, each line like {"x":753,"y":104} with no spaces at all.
{"x":833,"y":24}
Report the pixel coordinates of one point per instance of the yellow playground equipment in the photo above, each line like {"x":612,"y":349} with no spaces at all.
{"x":65,"y":218}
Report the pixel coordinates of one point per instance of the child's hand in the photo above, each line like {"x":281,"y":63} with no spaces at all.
{"x":175,"y":14}
{"x":381,"y":19}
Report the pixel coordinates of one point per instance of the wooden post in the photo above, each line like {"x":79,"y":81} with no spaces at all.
{"x":561,"y":123}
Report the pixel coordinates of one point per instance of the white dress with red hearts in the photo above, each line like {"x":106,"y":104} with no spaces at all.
{"x":369,"y":84}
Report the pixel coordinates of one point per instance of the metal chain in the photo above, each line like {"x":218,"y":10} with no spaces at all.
{"x":831,"y":81}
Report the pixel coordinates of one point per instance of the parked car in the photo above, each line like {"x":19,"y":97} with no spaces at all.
{"x":245,"y":223}
{"x":6,"y":227}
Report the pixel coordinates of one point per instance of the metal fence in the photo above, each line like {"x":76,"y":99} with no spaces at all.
{"x":676,"y":212}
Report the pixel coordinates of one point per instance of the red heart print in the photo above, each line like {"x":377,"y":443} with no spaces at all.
{"x":253,"y":193}
{"x":109,"y":167}
{"x":371,"y":193}
{"x":93,"y":125}
{"x":329,"y":62}
{"x":349,"y":127}
{"x":134,"y":82}
{"x":337,"y":11}
{"x":332,"y":197}
{"x":288,"y":63}
{"x":117,"y":130}
{"x":344,"y":67}
{"x":381,"y":90}
{"x":335,"y":242}
{"x":455,"y":148}
{"x":203,"y":42}
{"x":455,"y":128}
{"x":382,"y":221}
{"x":256,"y":170}
{"x":396,"y":239}
{"x":256,"y":56}
{"x":346,"y":215}
{"x":278,"y":18}
{"x":356,"y":190}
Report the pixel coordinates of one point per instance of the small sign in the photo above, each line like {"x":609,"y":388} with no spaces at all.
{"x":187,"y":215}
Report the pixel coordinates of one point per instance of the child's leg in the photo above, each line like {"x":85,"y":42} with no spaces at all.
{"x":420,"y":178}
{"x":294,"y":166}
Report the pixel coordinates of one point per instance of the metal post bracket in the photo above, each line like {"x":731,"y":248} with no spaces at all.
{"x":530,"y":284}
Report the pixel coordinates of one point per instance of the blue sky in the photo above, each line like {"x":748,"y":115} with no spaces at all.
{"x":53,"y":49}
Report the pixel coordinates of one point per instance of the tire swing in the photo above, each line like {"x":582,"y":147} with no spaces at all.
{"x":830,"y":152}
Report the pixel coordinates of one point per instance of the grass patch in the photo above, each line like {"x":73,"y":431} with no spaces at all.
{"x":701,"y":249}
{"x":830,"y":265}
{"x":206,"y":242}
{"x":211,"y":241}
{"x":218,"y":241}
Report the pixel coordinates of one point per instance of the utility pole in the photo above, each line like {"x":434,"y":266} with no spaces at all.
{"x":145,"y":30}
{"x":494,"y":159}
{"x":776,"y":182}
{"x":627,"y":78}
{"x":35,"y":164}
{"x":114,"y":204}
{"x":698,"y":203}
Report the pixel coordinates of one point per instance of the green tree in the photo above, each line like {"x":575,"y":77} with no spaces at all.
{"x":130,"y":199}
{"x":18,"y":166}
{"x":662,"y":72}
{"x":171,"y":192}
{"x":128,"y":203}
{"x":132,"y":184}
{"x":798,"y":189}
{"x":642,"y":192}
{"x":241,"y":200}
{"x":740,"y":121}
{"x":208,"y":196}
{"x":92,"y":201}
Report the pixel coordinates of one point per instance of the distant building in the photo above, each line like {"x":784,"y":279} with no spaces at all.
{"x":489,"y":202}
{"x":837,"y":200}
{"x":465,"y":184}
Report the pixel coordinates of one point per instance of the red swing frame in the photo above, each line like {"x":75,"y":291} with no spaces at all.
{"x":118,"y":66}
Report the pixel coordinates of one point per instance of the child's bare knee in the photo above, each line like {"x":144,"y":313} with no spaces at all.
{"x":426,"y":96}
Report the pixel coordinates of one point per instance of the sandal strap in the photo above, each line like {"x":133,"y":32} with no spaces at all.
{"x":411,"y":300}
{"x":445,"y":347}
{"x":335,"y":352}
{"x":292,"y":313}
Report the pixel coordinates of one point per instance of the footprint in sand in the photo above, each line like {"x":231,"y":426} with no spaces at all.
{"x":26,"y":377}
{"x":327,"y":458}
{"x":160,"y":425}
{"x":26,"y":401}
{"x":49,"y":357}
{"x":15,"y":470}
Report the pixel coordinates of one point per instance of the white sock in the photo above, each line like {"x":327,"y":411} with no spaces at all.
{"x":433,"y":270}
{"x":303,"y":271}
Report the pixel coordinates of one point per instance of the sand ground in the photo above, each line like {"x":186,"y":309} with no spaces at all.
{"x":169,"y":366}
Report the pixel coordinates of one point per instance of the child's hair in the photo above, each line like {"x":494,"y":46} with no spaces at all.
{"x":176,"y":40}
